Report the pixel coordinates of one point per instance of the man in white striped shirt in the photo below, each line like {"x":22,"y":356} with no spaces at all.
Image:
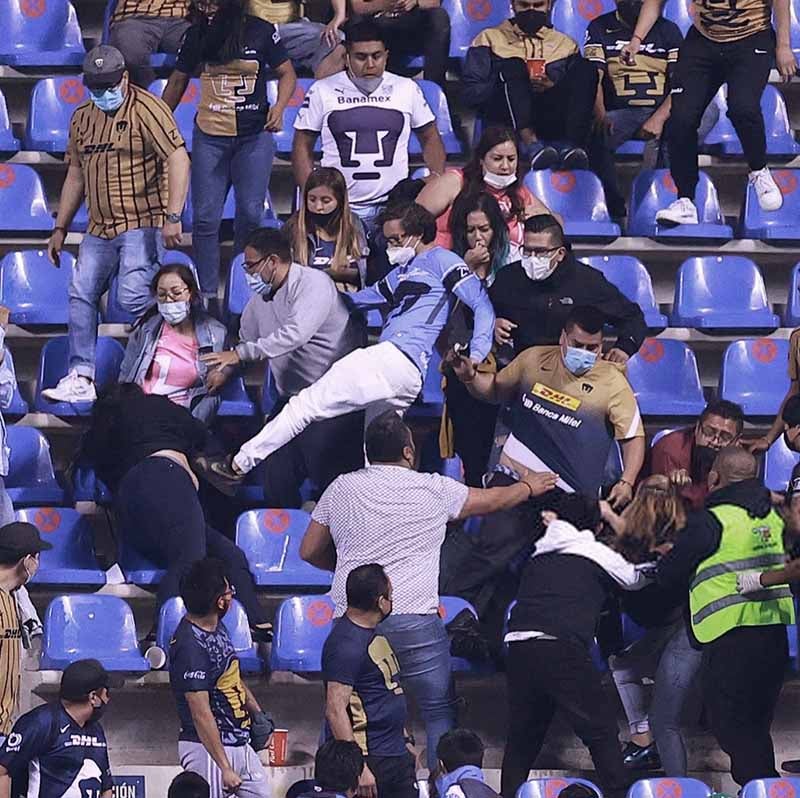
{"x":390,"y":514}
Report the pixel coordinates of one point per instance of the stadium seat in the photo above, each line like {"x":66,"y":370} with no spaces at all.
{"x":31,"y":480}
{"x":53,"y":101}
{"x":235,"y":620}
{"x":88,"y":487}
{"x":449,"y":608}
{"x":270,"y":540}
{"x":302,"y":624}
{"x":468,"y":18}
{"x":72,"y":560}
{"x":91,"y":626}
{"x":778,"y":464}
{"x":186,"y":110}
{"x":791,"y":315}
{"x":80,"y":221}
{"x":237,"y":292}
{"x":40,"y":33}
{"x":430,"y":401}
{"x":269,"y":393}
{"x":438,"y":103}
{"x":235,"y":401}
{"x":23,"y":208}
{"x":754,"y":375}
{"x":771,"y":788}
{"x":283,"y":138}
{"x":8,"y":141}
{"x":34,"y":290}
{"x":18,"y":406}
{"x":630,"y":276}
{"x":664,"y":377}
{"x":137,"y":568}
{"x":578,"y":197}
{"x":669,"y":788}
{"x":780,"y":225}
{"x":573,"y":16}
{"x":551,"y":787}
{"x":680,"y":12}
{"x":157,"y":60}
{"x":655,"y":189}
{"x":54,"y":364}
{"x":721,"y":292}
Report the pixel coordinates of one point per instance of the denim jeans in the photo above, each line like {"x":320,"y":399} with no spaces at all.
{"x":422,"y":648}
{"x":6,"y":508}
{"x":217,"y":163}
{"x":135,"y":256}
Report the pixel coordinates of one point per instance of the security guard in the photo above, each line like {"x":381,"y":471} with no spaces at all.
{"x":743,"y":636}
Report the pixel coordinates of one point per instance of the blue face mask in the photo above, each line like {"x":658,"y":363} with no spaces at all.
{"x":257,"y":284}
{"x":109,"y":100}
{"x":579,"y":361}
{"x":174,"y":312}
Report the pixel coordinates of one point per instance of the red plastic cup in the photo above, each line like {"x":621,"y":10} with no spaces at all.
{"x":536,"y":68}
{"x":278,"y":748}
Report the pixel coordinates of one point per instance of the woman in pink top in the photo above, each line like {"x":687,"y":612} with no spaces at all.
{"x":495,"y":169}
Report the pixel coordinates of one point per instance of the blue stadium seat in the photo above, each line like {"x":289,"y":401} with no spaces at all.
{"x":186,"y":109}
{"x":722,"y":138}
{"x":632,"y":278}
{"x":573,"y":16}
{"x":40,"y":33}
{"x":302,"y":624}
{"x":269,"y":393}
{"x":669,"y":788}
{"x":551,"y":787}
{"x":8,"y":141}
{"x":719,"y":292}
{"x":18,"y":406}
{"x":88,"y":487}
{"x":754,"y":375}
{"x":664,"y":377}
{"x":235,"y":401}
{"x":468,"y":18}
{"x":23,"y":207}
{"x":578,"y":197}
{"x":771,"y":788}
{"x":53,"y":365}
{"x":72,"y":560}
{"x":449,"y":607}
{"x":778,"y":464}
{"x":91,"y":626}
{"x":430,"y":401}
{"x":283,"y":138}
{"x":655,"y":189}
{"x":791,"y":315}
{"x":780,"y":225}
{"x":438,"y":103}
{"x":679,"y":12}
{"x":31,"y":480}
{"x":137,"y":568}
{"x":80,"y":221}
{"x":53,"y":101}
{"x":157,"y":60}
{"x":237,"y":292}
{"x":34,"y":290}
{"x":270,"y":540}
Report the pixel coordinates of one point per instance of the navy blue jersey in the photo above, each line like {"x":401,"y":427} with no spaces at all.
{"x":50,"y":756}
{"x":201,"y":661}
{"x":364,"y":660}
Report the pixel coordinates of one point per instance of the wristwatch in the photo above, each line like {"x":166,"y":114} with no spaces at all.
{"x":173,"y":218}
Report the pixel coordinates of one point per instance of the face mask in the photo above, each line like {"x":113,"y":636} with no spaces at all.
{"x":579,"y":361}
{"x":538,"y":267}
{"x":628,"y":11}
{"x":98,"y":712}
{"x":385,"y":615}
{"x":400,"y":256}
{"x":173,"y":312}
{"x":703,"y":458}
{"x":257,"y":284}
{"x":29,"y":574}
{"x":366,"y":85}
{"x":530,"y":22}
{"x":109,"y":100}
{"x":498,"y":181}
{"x":322,"y":219}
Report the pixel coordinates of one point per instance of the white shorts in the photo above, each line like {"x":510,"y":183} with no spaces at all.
{"x":244,"y":761}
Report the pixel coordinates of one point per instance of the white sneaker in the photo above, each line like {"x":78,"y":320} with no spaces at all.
{"x":682,"y":211}
{"x":767,"y":191}
{"x":72,"y":388}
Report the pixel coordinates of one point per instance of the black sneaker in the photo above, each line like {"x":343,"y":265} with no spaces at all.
{"x":573,"y":158}
{"x":791,"y":765}
{"x":219,"y":473}
{"x":638,"y":757}
{"x":542,"y":156}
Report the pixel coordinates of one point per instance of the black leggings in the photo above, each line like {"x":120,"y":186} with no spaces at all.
{"x":160,"y":516}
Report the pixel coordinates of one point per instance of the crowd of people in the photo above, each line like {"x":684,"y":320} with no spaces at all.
{"x":466,"y":266}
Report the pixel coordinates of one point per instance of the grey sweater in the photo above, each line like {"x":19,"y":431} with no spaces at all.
{"x":303,"y":329}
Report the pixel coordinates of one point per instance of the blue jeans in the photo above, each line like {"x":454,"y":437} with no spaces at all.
{"x":422,"y":648}
{"x":6,"y":507}
{"x":217,"y":163}
{"x":135,"y":256}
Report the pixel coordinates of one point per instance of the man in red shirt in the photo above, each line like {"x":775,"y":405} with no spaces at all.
{"x":686,"y":455}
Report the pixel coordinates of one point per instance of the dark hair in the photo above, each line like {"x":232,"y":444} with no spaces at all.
{"x":270,"y":241}
{"x":364,"y":32}
{"x":583,"y":512}
{"x":588,"y":318}
{"x":338,"y":765}
{"x":791,"y":411}
{"x":188,"y":785}
{"x":202,"y":584}
{"x":182,"y":271}
{"x":365,"y":585}
{"x":546,"y":223}
{"x":578,"y":790}
{"x":386,"y":437}
{"x":464,"y":205}
{"x":416,"y":220}
{"x":460,"y":747}
{"x":222,"y":35}
{"x":724,"y":409}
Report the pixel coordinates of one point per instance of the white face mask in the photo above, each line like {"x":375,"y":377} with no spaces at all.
{"x":401,"y":256}
{"x":538,"y":267}
{"x":498,"y":181}
{"x":173,"y":312}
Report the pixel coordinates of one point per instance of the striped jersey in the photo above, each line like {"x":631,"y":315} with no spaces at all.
{"x":150,"y":8}
{"x":731,"y":20}
{"x":10,"y":653}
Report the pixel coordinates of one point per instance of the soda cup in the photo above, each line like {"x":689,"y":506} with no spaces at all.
{"x":278,"y":748}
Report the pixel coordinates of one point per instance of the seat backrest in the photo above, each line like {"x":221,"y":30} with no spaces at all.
{"x":654,"y":189}
{"x":450,"y":606}
{"x":33,"y":290}
{"x":792,"y":317}
{"x":38,"y":25}
{"x":53,"y":101}
{"x":573,"y":16}
{"x":186,"y":109}
{"x":67,"y":531}
{"x":629,"y":275}
{"x":773,"y":109}
{"x":669,"y":788}
{"x":302,"y":625}
{"x":778,"y":464}
{"x":551,"y":787}
{"x":7,"y":139}
{"x":22,"y":198}
{"x":469,"y":17}
{"x":771,"y":788}
{"x":712,"y":283}
{"x":577,"y":195}
{"x":30,"y":462}
{"x":283,"y":138}
{"x":235,"y":620}
{"x":788,"y":181}
{"x":755,"y":368}
{"x":664,"y":366}
{"x":435,"y":98}
{"x":55,"y":359}
{"x":680,"y":12}
{"x":237,"y":292}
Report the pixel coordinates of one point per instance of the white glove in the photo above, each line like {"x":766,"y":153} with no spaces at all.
{"x":748,"y":582}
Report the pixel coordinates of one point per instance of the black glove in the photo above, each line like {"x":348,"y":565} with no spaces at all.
{"x":261,"y":728}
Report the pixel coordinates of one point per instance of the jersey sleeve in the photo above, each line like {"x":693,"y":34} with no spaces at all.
{"x":794,"y":355}
{"x":190,"y":56}
{"x":190,"y":667}
{"x":106,"y":779}
{"x":623,"y":412}
{"x":421,"y":113}
{"x":341,"y":661}
{"x":312,"y":113}
{"x":593,"y":49}
{"x":158,"y":126}
{"x":274,"y":51}
{"x":28,"y":739}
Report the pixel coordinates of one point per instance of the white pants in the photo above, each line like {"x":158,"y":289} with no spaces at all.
{"x":244,"y":761}
{"x":375,"y":378}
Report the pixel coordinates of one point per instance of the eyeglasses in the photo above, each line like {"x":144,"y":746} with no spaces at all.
{"x":173,"y":293}
{"x":249,"y":265}
{"x":539,"y":252}
{"x":230,"y":591}
{"x":725,"y":438}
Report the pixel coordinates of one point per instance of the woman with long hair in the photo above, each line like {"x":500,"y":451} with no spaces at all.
{"x":494,"y":168}
{"x":326,"y":234}
{"x":165,"y":347}
{"x":235,"y":54}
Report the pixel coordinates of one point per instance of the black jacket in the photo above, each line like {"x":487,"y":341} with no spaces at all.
{"x":539,"y":308}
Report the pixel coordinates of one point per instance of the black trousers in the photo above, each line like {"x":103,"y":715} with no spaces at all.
{"x":563,"y":113}
{"x":742,"y":676}
{"x":703,"y":66}
{"x":160,"y":516}
{"x":395,"y":776}
{"x":546,"y":675}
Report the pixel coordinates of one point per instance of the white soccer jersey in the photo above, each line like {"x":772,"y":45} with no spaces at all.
{"x":365,"y":137}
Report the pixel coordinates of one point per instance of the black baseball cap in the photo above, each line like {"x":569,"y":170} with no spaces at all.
{"x":81,"y":678}
{"x":103,"y":67}
{"x":19,"y":539}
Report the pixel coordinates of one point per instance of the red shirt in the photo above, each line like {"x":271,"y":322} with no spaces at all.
{"x":673,"y":452}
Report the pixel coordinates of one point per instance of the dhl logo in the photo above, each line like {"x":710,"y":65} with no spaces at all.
{"x":556,"y":397}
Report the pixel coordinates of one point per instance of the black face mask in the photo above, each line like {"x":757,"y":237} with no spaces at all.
{"x":323,"y":219}
{"x":530,"y":22}
{"x":628,"y":11}
{"x":98,"y":712}
{"x":702,"y":459}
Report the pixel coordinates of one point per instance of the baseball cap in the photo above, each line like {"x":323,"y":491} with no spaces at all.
{"x":81,"y":678}
{"x":103,"y":67}
{"x":19,"y":539}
